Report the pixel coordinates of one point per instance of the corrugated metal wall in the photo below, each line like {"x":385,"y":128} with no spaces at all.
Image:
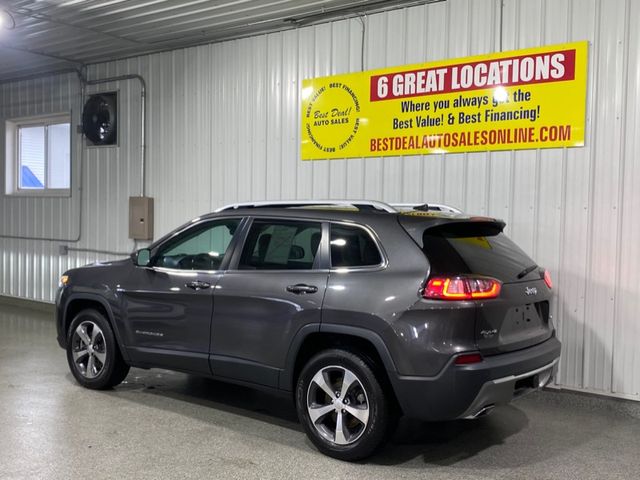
{"x":224,"y":127}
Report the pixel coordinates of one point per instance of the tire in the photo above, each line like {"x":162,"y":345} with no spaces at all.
{"x":366,"y":413}
{"x":101,"y":365}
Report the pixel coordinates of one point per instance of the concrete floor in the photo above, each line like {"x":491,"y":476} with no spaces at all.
{"x":161,"y":424}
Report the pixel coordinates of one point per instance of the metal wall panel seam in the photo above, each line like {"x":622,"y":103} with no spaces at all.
{"x":590,"y":206}
{"x":620,"y":189}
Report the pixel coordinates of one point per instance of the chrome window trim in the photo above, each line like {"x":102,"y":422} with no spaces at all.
{"x":319,"y":270}
{"x":185,"y":272}
{"x":368,"y":268}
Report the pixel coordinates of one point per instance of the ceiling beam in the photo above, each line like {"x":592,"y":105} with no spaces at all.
{"x":73,"y":61}
{"x":27,"y":12}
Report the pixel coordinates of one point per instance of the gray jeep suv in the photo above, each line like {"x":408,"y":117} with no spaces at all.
{"x":359,"y":311}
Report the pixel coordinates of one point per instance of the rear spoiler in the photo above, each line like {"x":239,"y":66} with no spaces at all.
{"x":417,"y":223}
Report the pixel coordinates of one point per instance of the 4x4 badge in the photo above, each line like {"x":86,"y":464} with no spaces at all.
{"x":531,"y":291}
{"x":488,"y":333}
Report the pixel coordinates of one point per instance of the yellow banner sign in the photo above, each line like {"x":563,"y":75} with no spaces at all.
{"x":532,"y":98}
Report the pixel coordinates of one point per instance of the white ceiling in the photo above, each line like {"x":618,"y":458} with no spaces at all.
{"x":52,"y":35}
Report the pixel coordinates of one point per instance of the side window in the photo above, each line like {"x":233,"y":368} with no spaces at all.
{"x":201,"y":248}
{"x":281,"y":245}
{"x":38,"y":159}
{"x":353,"y":247}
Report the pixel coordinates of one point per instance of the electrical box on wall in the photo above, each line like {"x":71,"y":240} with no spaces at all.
{"x":141,"y":218}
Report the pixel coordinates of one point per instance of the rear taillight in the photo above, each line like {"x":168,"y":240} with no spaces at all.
{"x":462,"y":288}
{"x":547,"y":279}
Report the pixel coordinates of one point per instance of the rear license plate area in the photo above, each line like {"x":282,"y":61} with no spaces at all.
{"x":518,"y":319}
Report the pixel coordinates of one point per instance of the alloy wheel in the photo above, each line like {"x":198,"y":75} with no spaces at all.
{"x":89,"y":349}
{"x":338,"y":405}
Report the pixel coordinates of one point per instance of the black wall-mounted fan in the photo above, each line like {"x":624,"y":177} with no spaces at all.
{"x":100,"y":119}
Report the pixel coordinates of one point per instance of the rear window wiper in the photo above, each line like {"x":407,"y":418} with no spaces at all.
{"x":527,"y":271}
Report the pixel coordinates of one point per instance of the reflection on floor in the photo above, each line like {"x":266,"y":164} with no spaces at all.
{"x":162,"y":424}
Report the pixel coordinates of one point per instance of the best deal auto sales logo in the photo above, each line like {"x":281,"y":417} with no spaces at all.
{"x":332,"y":117}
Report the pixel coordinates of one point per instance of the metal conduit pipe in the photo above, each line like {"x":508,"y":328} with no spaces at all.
{"x":143,"y":116}
{"x":80,"y":188}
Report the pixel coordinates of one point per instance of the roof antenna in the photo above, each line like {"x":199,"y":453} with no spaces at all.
{"x":424,"y":207}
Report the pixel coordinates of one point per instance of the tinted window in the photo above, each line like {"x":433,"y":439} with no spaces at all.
{"x":474,"y":248}
{"x":353,"y":247}
{"x":281,"y":245}
{"x":200,"y":248}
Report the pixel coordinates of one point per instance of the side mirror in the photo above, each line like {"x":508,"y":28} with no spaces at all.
{"x":142,"y":257}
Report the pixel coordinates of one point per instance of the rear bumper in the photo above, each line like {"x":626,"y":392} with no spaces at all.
{"x":503,"y":390}
{"x":467,"y":391}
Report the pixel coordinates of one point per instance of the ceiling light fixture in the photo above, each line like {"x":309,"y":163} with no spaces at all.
{"x":6,"y":20}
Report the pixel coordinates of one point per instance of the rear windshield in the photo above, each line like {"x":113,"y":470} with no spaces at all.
{"x":474,"y":248}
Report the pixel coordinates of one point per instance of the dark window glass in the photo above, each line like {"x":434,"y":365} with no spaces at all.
{"x":281,"y":245}
{"x":475,"y":248}
{"x":353,"y":247}
{"x":200,"y":248}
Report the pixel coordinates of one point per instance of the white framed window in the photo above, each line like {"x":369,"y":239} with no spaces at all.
{"x":38,"y":155}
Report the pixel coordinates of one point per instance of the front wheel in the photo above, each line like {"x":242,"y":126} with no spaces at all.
{"x":342,"y":406}
{"x":92,"y":353}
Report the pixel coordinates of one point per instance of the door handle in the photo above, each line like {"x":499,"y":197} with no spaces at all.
{"x":198,"y":285}
{"x":301,"y":288}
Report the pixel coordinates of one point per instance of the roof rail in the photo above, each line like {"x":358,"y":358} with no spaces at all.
{"x":439,"y":207}
{"x":359,"y":204}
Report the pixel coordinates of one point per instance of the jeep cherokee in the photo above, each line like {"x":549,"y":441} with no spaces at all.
{"x":358,"y":310}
